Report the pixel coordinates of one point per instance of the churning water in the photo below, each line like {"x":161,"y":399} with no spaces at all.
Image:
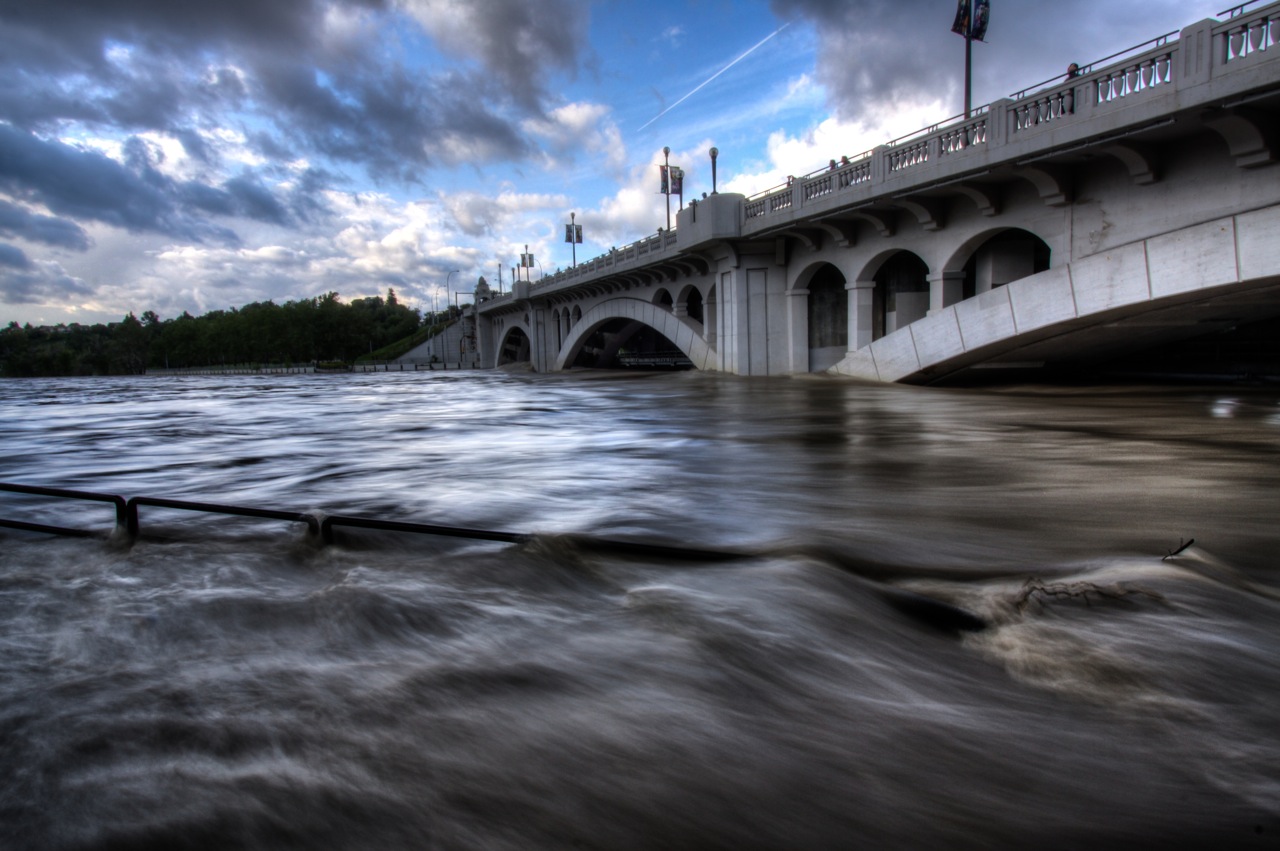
{"x":226,"y":682}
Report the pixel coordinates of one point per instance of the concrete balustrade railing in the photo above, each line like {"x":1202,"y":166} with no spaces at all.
{"x":1148,"y":72}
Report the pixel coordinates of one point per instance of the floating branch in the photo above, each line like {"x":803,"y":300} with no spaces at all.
{"x":1179,"y":550}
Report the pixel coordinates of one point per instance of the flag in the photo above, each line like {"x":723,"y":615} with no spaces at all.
{"x":971,"y":19}
{"x":677,"y":181}
{"x":526,"y":260}
{"x":662,"y":169}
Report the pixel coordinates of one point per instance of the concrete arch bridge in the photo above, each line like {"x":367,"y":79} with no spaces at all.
{"x":1133,"y":205}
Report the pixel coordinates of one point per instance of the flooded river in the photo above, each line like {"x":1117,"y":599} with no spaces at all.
{"x":941,"y":618}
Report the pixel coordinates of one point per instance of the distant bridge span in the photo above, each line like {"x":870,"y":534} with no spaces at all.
{"x":1136,"y":204}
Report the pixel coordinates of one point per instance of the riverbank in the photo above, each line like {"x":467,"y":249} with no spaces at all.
{"x":286,"y":369}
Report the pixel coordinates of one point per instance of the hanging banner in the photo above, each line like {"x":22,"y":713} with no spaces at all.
{"x":526,"y":260}
{"x":573,"y":233}
{"x":663,"y":190}
{"x":961,"y":25}
{"x":971,"y":19}
{"x":981,"y":11}
{"x":677,"y":180}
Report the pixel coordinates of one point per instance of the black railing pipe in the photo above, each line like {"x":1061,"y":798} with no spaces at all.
{"x":132,"y":524}
{"x":63,"y":493}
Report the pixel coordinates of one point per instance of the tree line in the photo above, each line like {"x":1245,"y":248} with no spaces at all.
{"x":320,"y":329}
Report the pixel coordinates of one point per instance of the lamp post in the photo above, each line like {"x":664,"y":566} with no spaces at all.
{"x":462,"y":341}
{"x":714,"y":153}
{"x":666,"y":182}
{"x":572,"y":238}
{"x":971,"y":23}
{"x":452,"y":272}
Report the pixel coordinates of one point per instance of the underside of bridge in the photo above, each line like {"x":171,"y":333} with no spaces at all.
{"x":1231,"y":336}
{"x":628,"y":344}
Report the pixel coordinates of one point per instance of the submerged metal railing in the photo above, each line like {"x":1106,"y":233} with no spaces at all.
{"x":321,"y":526}
{"x":120,"y":504}
{"x":935,"y":613}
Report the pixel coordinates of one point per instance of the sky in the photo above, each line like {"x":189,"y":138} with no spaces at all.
{"x":173,"y":155}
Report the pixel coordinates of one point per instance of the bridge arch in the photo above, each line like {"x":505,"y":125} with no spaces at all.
{"x":690,"y":303}
{"x":634,"y":313}
{"x":991,"y":259}
{"x":901,"y":292}
{"x":822,"y":320}
{"x":514,"y":347}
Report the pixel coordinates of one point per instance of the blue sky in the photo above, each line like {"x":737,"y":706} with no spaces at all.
{"x":182,"y":156}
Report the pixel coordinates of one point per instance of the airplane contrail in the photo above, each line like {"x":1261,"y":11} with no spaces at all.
{"x":748,"y":52}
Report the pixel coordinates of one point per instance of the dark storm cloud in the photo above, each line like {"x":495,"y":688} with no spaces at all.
{"x":86,"y":185}
{"x":17,"y":222}
{"x":518,"y":40}
{"x":79,"y":183}
{"x":13,"y":257}
{"x":255,"y":201}
{"x":23,"y":281}
{"x":248,"y":197}
{"x":168,"y":66}
{"x":64,"y":33}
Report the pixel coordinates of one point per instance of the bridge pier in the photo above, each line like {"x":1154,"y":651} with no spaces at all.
{"x":945,"y":289}
{"x":861,"y":313}
{"x":799,"y":356}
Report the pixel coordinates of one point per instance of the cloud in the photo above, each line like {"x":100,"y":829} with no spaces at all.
{"x":831,"y":138}
{"x":33,"y":282}
{"x":81,"y":184}
{"x":519,"y":43}
{"x":253,"y":200}
{"x":874,"y":55}
{"x":33,"y":227}
{"x":13,"y":257}
{"x":315,"y":76}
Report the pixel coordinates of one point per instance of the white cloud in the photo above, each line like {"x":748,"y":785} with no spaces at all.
{"x":830,"y":139}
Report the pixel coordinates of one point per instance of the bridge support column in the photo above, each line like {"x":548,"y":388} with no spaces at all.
{"x":486,"y":356}
{"x":798,"y":324}
{"x":945,"y":289}
{"x":861,"y":313}
{"x":539,"y":349}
